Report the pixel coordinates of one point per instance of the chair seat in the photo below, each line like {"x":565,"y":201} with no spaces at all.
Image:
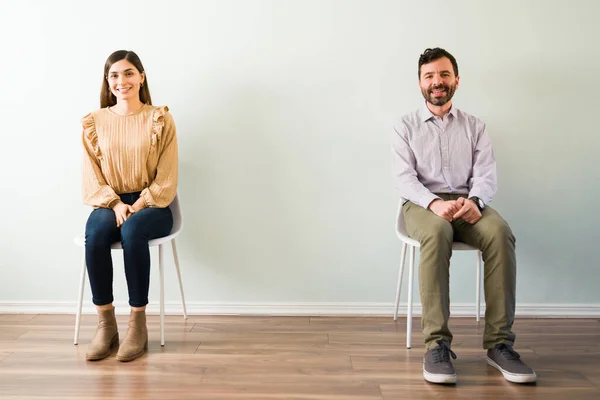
{"x":80,"y":241}
{"x":462,"y":246}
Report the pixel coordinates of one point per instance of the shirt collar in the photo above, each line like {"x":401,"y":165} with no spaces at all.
{"x":426,"y":114}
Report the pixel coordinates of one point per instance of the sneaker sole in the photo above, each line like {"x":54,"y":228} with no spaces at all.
{"x":439,"y":378}
{"x":511,"y":377}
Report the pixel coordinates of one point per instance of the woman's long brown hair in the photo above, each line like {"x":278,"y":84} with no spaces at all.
{"x":108,"y":99}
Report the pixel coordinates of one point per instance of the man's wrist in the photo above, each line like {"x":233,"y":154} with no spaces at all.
{"x":431,"y":203}
{"x":478,"y":202}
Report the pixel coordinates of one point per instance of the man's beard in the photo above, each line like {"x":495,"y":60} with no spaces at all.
{"x":438,"y":100}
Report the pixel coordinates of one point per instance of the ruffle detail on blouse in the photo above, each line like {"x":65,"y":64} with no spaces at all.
{"x":158,"y":124}
{"x":89,"y":132}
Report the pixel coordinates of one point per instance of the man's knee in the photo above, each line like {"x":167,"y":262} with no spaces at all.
{"x":438,"y":232}
{"x":498,"y":230}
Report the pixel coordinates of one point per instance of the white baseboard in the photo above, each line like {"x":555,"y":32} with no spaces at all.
{"x":301,"y":309}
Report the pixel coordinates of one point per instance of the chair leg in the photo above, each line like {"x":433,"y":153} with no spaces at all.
{"x":176,"y":259}
{"x":80,"y":301}
{"x":410,"y":297}
{"x":478,"y":290}
{"x":400,"y":274}
{"x":162,"y":293}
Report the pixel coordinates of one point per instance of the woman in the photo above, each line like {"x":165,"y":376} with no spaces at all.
{"x":130,"y":178}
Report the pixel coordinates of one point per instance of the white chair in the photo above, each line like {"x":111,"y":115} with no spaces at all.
{"x":160,"y":242}
{"x":413,"y":244}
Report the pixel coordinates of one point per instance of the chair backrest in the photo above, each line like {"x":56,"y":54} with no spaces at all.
{"x":177,"y":215}
{"x":400,"y":228}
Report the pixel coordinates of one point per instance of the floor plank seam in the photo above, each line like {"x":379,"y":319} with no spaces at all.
{"x":197,"y":348}
{"x":380,"y":391}
{"x":596,"y":385}
{"x":8,"y":356}
{"x":352,"y":363}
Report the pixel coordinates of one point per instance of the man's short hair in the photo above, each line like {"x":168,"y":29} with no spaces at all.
{"x":430,"y":55}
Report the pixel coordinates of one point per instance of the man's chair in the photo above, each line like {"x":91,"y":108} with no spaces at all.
{"x":414,"y":244}
{"x":160,"y":242}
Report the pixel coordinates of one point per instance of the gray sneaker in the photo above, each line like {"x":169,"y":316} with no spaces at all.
{"x":506,"y":360}
{"x":437,"y":367}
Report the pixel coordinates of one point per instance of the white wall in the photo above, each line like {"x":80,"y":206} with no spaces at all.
{"x":284,"y":112}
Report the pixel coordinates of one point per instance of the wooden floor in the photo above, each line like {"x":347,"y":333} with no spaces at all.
{"x":289,"y":358}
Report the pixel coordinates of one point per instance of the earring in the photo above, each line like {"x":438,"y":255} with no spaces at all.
{"x":142,"y":84}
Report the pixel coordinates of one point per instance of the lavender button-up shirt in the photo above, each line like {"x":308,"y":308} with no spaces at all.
{"x":449,"y":155}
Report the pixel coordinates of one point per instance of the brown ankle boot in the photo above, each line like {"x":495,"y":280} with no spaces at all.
{"x":136,"y":340}
{"x":106,"y":337}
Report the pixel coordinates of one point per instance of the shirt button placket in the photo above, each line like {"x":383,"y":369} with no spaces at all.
{"x":445,"y":157}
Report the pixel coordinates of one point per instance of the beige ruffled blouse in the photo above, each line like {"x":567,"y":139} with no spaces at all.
{"x":129,"y":153}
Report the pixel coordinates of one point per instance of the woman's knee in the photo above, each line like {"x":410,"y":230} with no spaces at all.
{"x":132,"y":232}
{"x":100,"y":227}
{"x":147,"y":224}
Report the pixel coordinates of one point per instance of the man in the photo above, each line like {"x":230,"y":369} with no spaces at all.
{"x":445,"y":173}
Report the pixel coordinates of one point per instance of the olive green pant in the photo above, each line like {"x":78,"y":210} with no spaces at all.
{"x":492,"y":235}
